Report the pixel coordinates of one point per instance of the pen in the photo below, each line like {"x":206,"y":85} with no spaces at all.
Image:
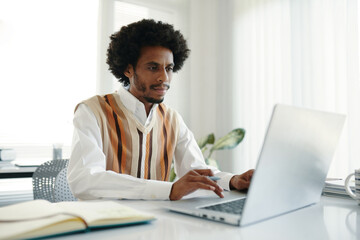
{"x":214,"y":178}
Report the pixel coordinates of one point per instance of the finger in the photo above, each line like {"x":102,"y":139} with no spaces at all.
{"x":191,"y":182}
{"x":183,"y":187}
{"x":205,"y":172}
{"x":202,"y":178}
{"x":219,"y":193}
{"x":200,"y":185}
{"x":205,"y":180}
{"x":204,"y":186}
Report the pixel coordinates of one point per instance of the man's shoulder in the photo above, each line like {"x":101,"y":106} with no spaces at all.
{"x":100,"y":98}
{"x":91,"y":101}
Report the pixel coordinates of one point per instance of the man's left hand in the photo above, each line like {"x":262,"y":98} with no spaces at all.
{"x":241,"y":182}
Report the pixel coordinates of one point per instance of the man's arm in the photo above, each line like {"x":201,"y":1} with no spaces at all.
{"x":188,"y":161}
{"x":87,"y":174}
{"x":188,"y":157}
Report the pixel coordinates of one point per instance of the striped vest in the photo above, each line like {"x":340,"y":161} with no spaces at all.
{"x":123,"y":138}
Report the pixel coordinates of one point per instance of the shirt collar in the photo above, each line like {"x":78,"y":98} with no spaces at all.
{"x":134,"y":105}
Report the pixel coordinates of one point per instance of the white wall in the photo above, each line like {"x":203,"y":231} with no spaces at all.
{"x":211,"y":79}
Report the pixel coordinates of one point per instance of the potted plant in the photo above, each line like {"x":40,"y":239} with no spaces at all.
{"x":208,"y":145}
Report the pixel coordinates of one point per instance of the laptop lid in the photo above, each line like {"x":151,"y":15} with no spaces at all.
{"x":296,"y":154}
{"x":294,"y":161}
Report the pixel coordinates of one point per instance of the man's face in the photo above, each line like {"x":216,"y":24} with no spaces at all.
{"x":150,"y":79}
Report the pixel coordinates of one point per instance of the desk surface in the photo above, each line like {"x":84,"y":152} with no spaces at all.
{"x":332,"y":218}
{"x":20,"y":168}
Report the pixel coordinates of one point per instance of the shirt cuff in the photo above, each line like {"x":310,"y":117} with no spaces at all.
{"x":224,"y":181}
{"x":159,"y":190}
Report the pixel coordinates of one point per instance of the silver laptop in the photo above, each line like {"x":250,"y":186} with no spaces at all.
{"x":290,"y":173}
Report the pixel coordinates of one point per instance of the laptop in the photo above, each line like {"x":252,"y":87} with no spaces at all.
{"x":291,"y":170}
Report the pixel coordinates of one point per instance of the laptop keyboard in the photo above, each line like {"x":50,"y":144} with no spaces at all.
{"x":233,"y":207}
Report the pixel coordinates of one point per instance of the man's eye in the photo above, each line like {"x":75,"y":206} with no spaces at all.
{"x":169,"y":69}
{"x":152,"y":68}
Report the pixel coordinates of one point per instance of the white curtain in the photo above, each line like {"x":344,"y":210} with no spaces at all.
{"x":47,"y":66}
{"x":298,"y":52}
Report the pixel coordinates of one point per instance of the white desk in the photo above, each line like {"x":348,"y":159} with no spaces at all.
{"x":332,"y":218}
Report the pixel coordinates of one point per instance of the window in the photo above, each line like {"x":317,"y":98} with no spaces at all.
{"x":48,"y":65}
{"x":53,"y":55}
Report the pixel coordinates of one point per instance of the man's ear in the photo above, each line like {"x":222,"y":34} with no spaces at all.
{"x":129,"y":71}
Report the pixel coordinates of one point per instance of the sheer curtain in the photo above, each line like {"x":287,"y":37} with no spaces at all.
{"x":298,"y":52}
{"x":47,"y":65}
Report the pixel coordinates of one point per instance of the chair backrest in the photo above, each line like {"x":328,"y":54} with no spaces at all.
{"x":49,"y":181}
{"x":62,"y":190}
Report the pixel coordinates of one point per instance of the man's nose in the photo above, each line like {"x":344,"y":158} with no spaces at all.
{"x":163,"y":76}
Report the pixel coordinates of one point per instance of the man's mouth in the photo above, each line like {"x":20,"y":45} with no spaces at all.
{"x":161,"y":89}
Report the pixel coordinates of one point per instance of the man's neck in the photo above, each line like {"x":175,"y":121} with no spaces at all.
{"x":148,"y":107}
{"x":147,"y":104}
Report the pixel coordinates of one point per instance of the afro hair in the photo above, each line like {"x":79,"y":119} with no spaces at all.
{"x":125,"y":45}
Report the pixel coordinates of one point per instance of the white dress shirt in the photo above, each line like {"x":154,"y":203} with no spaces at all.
{"x":87,"y":174}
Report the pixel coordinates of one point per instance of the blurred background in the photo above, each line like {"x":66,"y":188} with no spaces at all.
{"x":246,"y":56}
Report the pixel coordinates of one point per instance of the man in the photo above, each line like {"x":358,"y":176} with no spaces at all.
{"x":124,"y":143}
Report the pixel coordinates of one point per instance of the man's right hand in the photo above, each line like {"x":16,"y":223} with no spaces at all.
{"x":192,"y":181}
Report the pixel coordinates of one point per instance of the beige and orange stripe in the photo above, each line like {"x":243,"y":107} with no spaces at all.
{"x":124,"y":138}
{"x":120,"y":132}
{"x":149,"y":138}
{"x":167,"y":138}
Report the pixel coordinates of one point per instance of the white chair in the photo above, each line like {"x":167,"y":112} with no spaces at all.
{"x":50,"y":183}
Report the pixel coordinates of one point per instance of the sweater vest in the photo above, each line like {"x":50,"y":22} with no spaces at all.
{"x":122,"y":137}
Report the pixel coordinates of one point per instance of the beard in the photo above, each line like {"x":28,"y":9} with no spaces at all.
{"x":153,"y":100}
{"x":140,"y":86}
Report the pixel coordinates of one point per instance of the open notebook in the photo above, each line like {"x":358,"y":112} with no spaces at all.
{"x":40,"y":218}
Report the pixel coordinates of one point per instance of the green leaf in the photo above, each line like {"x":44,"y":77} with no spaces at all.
{"x":172,"y":174}
{"x":212,"y":162}
{"x":203,"y":150}
{"x":230,"y":140}
{"x":209,"y":139}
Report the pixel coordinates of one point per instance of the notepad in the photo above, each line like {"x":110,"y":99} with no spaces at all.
{"x":336,"y":188}
{"x":40,"y":218}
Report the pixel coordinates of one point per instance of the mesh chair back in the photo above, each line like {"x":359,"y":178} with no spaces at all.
{"x":62,"y":191}
{"x":49,"y":184}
